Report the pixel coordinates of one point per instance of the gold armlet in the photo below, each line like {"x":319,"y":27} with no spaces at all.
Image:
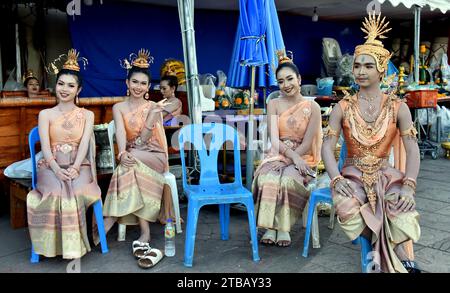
{"x":411,"y":132}
{"x":330,"y":132}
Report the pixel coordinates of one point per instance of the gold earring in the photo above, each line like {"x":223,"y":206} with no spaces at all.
{"x":128,"y":91}
{"x":147,"y":96}
{"x":77,"y":100}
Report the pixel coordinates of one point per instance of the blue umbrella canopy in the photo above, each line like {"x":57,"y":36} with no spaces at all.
{"x":258,"y":37}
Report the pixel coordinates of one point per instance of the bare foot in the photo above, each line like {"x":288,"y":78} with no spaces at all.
{"x":283,"y":239}
{"x":269,"y":237}
{"x":144,"y":238}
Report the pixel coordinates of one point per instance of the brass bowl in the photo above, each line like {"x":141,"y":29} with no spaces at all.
{"x":446,"y":147}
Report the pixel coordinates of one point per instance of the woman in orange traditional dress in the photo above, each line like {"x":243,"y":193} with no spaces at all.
{"x":66,"y":179}
{"x":373,"y":199}
{"x":138,"y":193}
{"x":280,"y":186}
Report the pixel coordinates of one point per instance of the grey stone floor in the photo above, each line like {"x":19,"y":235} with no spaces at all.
{"x":337,"y":254}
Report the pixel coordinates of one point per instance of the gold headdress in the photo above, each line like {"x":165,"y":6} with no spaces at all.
{"x":71,"y":63}
{"x":28,"y":75}
{"x":374,"y":28}
{"x":174,"y":67}
{"x":142,"y":60}
{"x":283,"y":58}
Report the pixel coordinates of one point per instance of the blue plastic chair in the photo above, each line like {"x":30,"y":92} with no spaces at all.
{"x":33,"y":138}
{"x":324,"y":195}
{"x":210,"y":190}
{"x":366,"y":248}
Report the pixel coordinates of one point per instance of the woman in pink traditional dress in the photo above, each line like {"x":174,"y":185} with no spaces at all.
{"x":138,"y":193}
{"x":280,"y":186}
{"x":168,"y":87}
{"x":373,"y":199}
{"x":66,"y":179}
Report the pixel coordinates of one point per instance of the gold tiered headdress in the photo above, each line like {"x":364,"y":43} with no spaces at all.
{"x":174,"y":67}
{"x":375,"y":28}
{"x":71,"y":63}
{"x":142,"y":60}
{"x":28,"y":75}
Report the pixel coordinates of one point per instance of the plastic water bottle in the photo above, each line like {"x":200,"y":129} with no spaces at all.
{"x":169,"y":235}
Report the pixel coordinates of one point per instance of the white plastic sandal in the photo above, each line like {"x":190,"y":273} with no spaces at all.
{"x":140,"y":248}
{"x":150,"y":258}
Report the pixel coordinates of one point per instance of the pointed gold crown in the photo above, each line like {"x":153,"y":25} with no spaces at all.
{"x":375,"y":27}
{"x":143,"y":59}
{"x":72,"y":60}
{"x":71,"y":63}
{"x":29,"y":74}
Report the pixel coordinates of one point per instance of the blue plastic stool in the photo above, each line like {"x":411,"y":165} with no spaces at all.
{"x":210,"y":190}
{"x":33,"y":138}
{"x":366,"y":249}
{"x":317,"y":196}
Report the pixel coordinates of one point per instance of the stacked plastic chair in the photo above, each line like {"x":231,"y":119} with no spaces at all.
{"x":210,"y":191}
{"x":331,"y":54}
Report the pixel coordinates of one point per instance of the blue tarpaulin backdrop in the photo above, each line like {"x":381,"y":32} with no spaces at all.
{"x":109,"y":32}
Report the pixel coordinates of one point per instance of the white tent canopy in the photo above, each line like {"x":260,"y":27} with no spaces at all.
{"x":442,"y":5}
{"x":330,"y":9}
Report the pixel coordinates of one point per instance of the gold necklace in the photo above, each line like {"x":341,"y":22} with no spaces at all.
{"x":132,"y":120}
{"x":370,"y":112}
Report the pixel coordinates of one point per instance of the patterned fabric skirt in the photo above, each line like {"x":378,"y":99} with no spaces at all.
{"x":57,"y":213}
{"x":136,"y":192}
{"x":389,"y":226}
{"x":280,"y":195}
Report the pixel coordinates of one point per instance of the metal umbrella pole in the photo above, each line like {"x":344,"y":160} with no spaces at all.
{"x":250,"y":147}
{"x":417,"y":10}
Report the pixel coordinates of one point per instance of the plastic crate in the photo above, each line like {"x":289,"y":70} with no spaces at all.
{"x":422,"y":99}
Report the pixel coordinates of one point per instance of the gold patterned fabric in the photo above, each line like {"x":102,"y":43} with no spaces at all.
{"x":57,"y":209}
{"x":378,"y":184}
{"x":280,"y":191}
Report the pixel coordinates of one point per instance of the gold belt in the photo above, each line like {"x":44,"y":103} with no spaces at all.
{"x":64,"y":148}
{"x":369,"y":165}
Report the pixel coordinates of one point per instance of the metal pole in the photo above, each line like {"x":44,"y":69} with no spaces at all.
{"x":417,"y":10}
{"x":249,"y":152}
{"x":186,"y":12}
{"x":18,"y":61}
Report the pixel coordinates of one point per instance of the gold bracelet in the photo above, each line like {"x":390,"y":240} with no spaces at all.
{"x":335,"y":180}
{"x":410,"y":182}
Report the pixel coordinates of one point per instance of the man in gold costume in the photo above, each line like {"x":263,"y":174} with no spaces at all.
{"x":373,"y":199}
